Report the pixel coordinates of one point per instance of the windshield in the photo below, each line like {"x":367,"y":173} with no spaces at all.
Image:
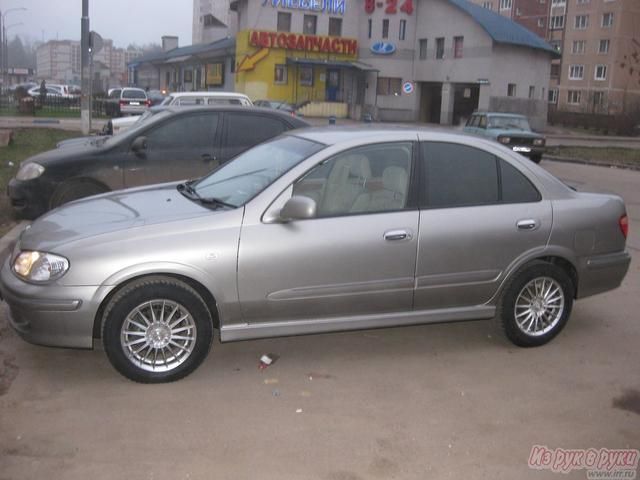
{"x":249,"y":173}
{"x":509,"y":122}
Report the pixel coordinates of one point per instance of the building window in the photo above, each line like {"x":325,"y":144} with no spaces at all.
{"x":403,"y":30}
{"x":553,"y":95}
{"x":557,"y":22}
{"x":284,"y":22}
{"x":511,"y":90}
{"x":541,"y":22}
{"x":389,"y":86}
{"x":458,"y":43}
{"x":603,"y":46}
{"x":557,"y":45}
{"x":423,"y":49}
{"x":506,"y":4}
{"x":487,"y":5}
{"x":309,"y":25}
{"x":581,"y":22}
{"x":578,"y":47}
{"x":555,"y":70}
{"x":581,"y":2}
{"x":558,"y":3}
{"x":576,"y":72}
{"x":306,"y":76}
{"x":440,"y":48}
{"x":598,"y":99}
{"x":542,"y":94}
{"x":532,"y":91}
{"x":600,"y":72}
{"x":607,"y":19}
{"x":574,"y":96}
{"x":385,"y":28}
{"x":280,"y":76}
{"x":335,"y":27}
{"x":370,"y":28}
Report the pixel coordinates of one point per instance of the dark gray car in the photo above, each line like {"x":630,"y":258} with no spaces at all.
{"x":318,"y":230}
{"x":175,"y":144}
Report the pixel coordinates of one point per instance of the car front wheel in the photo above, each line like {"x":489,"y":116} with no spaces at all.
{"x":157,"y":329}
{"x":536,"y":305}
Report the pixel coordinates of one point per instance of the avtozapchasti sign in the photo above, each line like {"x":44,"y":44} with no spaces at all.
{"x":306,"y":43}
{"x":332,"y":7}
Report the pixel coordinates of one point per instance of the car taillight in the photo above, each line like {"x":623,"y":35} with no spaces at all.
{"x":624,"y":225}
{"x":147,"y":103}
{"x":122,"y":102}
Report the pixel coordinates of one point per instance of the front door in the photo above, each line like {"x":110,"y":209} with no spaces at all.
{"x":357,"y":257}
{"x":182,"y":147}
{"x":333,"y":85}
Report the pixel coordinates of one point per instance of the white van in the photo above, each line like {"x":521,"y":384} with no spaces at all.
{"x":207,"y":98}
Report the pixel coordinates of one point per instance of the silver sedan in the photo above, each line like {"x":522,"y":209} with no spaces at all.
{"x":318,"y":230}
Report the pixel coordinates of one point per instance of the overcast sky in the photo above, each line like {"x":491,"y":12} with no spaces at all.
{"x":124,"y":21}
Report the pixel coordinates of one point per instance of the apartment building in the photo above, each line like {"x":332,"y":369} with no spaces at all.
{"x":212,"y":20}
{"x":599,"y":71}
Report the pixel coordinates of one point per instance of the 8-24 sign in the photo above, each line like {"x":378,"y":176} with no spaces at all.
{"x":392,"y":6}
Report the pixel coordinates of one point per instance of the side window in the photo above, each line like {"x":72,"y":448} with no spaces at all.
{"x":473,"y":121}
{"x":115,"y":94}
{"x":184,"y":132}
{"x":483,"y":121}
{"x":190,"y":101}
{"x":457,"y":175}
{"x":516,"y":188}
{"x":246,"y":130}
{"x":363,"y":180}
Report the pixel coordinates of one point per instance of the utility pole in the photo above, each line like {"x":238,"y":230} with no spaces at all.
{"x":85,"y":105}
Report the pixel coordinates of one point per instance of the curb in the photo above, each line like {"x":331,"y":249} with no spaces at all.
{"x":594,"y":163}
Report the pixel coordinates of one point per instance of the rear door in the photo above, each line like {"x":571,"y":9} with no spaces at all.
{"x":478,"y":215}
{"x":243,"y":130}
{"x":184,"y":146}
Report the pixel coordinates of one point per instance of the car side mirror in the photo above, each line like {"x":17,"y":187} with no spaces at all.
{"x":298,"y":208}
{"x":139,"y":145}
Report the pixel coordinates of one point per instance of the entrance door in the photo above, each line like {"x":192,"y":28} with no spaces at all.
{"x":333,"y":85}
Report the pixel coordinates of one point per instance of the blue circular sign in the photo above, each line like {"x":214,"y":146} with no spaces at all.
{"x":383,"y":48}
{"x":407,"y":88}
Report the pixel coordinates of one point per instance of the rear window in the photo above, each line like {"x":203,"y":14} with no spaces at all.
{"x":134,"y":94}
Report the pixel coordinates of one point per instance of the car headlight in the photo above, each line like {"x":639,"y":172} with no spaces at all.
{"x":504,"y":140}
{"x":538,"y":142}
{"x":40,"y":266}
{"x":29,"y":171}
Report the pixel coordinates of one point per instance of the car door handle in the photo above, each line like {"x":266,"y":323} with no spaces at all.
{"x":394,"y":235}
{"x":528,"y":224}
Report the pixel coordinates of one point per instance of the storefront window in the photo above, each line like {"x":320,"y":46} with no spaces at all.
{"x":385,"y":28}
{"x":440,"y":48}
{"x":306,"y":76}
{"x":335,"y":27}
{"x":389,"y":86}
{"x":284,"y":22}
{"x":403,"y":30}
{"x":309,"y":25}
{"x":280,"y":76}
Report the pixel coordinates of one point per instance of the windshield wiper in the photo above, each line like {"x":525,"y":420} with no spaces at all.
{"x":188,"y":191}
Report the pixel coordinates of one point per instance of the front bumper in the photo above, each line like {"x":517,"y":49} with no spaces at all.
{"x":601,"y":273}
{"x":51,"y":315}
{"x":527,"y":150}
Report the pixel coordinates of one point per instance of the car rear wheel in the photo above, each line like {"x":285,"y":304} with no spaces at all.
{"x":157,"y":329}
{"x":536,"y":305}
{"x":74,"y":190}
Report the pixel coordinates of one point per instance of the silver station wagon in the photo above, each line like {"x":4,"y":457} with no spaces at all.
{"x":318,"y":230}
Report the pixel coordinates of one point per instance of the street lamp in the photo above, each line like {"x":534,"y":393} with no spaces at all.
{"x":4,"y":64}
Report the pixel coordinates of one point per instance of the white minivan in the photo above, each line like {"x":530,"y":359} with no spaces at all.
{"x":207,"y":98}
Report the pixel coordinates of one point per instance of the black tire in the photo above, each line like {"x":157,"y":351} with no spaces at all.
{"x":134,"y":296}
{"x":74,"y":190}
{"x":516,"y":332}
{"x":536,"y":158}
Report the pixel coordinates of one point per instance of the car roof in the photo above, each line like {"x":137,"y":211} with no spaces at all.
{"x":208,"y":94}
{"x":502,"y":114}
{"x":331,"y":135}
{"x":181,"y":110}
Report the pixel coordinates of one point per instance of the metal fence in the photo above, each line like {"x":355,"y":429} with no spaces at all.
{"x":19,"y":103}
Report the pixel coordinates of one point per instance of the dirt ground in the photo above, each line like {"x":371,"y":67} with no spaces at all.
{"x":440,"y":401}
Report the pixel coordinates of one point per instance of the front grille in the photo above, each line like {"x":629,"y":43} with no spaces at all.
{"x":521,"y":141}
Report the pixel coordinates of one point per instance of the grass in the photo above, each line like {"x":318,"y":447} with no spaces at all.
{"x":609,"y":155}
{"x":26,"y":143}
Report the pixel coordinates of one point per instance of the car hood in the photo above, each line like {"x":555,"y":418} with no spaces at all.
{"x":73,"y":150}
{"x":109,"y":213}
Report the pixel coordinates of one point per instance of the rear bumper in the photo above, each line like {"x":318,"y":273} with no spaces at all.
{"x":48,"y":314}
{"x":133,"y":109}
{"x":602,"y":272}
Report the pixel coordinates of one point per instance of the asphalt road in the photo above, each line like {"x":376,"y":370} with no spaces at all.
{"x":444,"y":401}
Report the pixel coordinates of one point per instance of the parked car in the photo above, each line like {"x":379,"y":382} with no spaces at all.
{"x":207,"y":98}
{"x":126,"y":101}
{"x":174,"y":144}
{"x":510,"y":130}
{"x":276,"y":105}
{"x":55,"y":94}
{"x":156,"y":97}
{"x":317,"y":230}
